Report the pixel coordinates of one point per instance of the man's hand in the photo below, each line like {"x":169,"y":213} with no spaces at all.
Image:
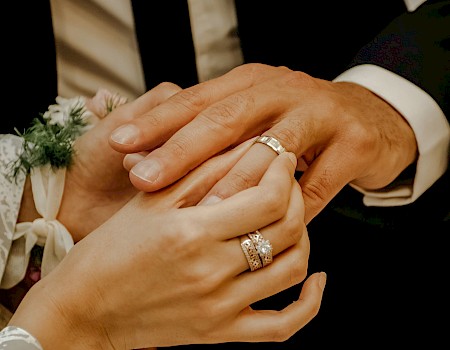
{"x":340,"y":133}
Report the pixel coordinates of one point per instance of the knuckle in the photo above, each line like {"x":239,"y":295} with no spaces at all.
{"x":255,"y":70}
{"x":293,"y":226}
{"x":180,"y":146}
{"x":316,"y":190}
{"x":191,"y":99}
{"x":284,"y":69}
{"x":363,"y":137}
{"x":165,"y":85}
{"x":280,"y":332}
{"x":251,"y":69}
{"x":166,"y":89}
{"x":299,"y":79}
{"x":239,"y":180}
{"x":274,"y":203}
{"x":229,"y":113}
{"x":204,"y":278}
{"x":298,"y":270}
{"x":152,"y":120}
{"x":183,"y":238}
{"x":314,"y":311}
{"x":288,"y":136}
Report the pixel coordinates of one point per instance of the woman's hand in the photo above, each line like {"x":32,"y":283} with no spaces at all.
{"x":167,"y":270}
{"x":97,"y":185}
{"x":340,"y":133}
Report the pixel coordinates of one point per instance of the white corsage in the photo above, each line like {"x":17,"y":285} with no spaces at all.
{"x":49,"y":140}
{"x":46,"y":154}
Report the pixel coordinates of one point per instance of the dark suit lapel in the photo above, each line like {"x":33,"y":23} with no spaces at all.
{"x":318,"y":37}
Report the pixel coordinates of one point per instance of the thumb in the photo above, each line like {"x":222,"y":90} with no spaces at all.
{"x":131,"y":110}
{"x":192,"y":188}
{"x":97,"y":138}
{"x":322,"y":180}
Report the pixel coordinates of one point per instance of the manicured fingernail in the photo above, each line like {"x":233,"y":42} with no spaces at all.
{"x":211,"y":200}
{"x":147,"y":170}
{"x":125,"y":135}
{"x":322,"y":280}
{"x":134,"y":158}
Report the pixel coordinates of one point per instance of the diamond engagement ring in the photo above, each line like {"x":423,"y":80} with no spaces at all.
{"x":263,"y":247}
{"x":272,"y":142}
{"x":257,"y":250}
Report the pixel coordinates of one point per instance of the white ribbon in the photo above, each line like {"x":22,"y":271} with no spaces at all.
{"x":48,"y":187}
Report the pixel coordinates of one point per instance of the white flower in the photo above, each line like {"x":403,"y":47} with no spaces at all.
{"x":104,"y":102}
{"x":64,"y":109}
{"x":50,"y":141}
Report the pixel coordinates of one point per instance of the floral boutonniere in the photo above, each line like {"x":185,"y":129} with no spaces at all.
{"x":50,"y":138}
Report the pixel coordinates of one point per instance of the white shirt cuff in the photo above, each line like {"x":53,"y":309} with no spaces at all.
{"x":425,"y":117}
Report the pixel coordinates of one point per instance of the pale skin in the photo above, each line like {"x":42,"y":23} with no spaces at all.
{"x":341,"y":133}
{"x":211,"y":307}
{"x":88,"y":202}
{"x":164,"y":271}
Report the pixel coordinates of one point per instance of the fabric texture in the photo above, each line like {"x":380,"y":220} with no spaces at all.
{"x":10,"y":197}
{"x":15,"y":338}
{"x":19,"y":239}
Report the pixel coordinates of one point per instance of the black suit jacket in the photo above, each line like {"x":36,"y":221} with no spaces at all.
{"x":324,"y":38}
{"x":378,"y":260}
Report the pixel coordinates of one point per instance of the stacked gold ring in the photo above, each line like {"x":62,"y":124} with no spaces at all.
{"x":257,"y":250}
{"x":250,"y":252}
{"x":263,"y":247}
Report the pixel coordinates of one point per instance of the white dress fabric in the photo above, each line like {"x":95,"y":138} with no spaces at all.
{"x":17,"y":240}
{"x":11,"y":337}
{"x":10,"y":199}
{"x":14,"y":338}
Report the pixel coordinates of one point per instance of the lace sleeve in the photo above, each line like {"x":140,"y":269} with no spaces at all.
{"x":15,"y":338}
{"x":10,"y":195}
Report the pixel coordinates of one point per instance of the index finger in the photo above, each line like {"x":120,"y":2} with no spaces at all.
{"x":255,"y":207}
{"x":179,"y":150}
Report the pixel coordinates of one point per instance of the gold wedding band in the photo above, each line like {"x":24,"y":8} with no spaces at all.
{"x":251,"y":254}
{"x":272,"y":142}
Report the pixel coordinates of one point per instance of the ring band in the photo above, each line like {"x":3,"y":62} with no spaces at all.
{"x":251,"y":254}
{"x":263,"y":247}
{"x":272,"y":142}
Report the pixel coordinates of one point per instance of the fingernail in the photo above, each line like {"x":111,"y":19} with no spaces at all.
{"x":322,"y":280}
{"x":211,"y":200}
{"x":125,"y":135}
{"x":147,"y":170}
{"x":134,"y":158}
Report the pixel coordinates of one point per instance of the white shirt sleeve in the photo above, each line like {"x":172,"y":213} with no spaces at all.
{"x":428,"y":122}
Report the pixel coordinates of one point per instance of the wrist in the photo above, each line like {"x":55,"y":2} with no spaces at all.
{"x":56,"y":324}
